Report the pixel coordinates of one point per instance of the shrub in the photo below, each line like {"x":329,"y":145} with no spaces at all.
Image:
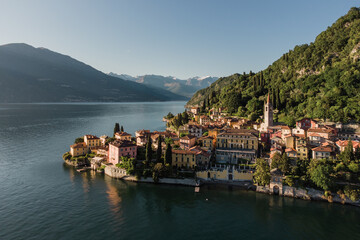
{"x":352,"y":192}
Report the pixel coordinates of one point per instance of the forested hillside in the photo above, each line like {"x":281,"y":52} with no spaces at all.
{"x":317,"y":80}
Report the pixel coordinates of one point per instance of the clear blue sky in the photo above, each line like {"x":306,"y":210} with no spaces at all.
{"x":181,"y":38}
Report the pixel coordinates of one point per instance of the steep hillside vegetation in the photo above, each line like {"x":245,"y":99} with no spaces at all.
{"x":318,"y":80}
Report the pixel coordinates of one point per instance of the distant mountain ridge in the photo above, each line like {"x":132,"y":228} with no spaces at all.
{"x":177,"y":86}
{"x":29,"y":74}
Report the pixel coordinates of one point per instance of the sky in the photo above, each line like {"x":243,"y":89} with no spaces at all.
{"x":181,"y":38}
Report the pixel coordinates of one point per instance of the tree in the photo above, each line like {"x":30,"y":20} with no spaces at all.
{"x":275,"y":160}
{"x":262,"y":174}
{"x":122,"y":128}
{"x":285,"y":163}
{"x":116,"y":128}
{"x":357,"y":153}
{"x":158,"y":150}
{"x":281,"y":162}
{"x":185,"y":117}
{"x":347,"y":155}
{"x":319,"y":171}
{"x":79,"y":140}
{"x":148,"y":154}
{"x":169,"y":116}
{"x":168,"y":154}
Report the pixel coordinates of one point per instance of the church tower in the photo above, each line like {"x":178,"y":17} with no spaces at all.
{"x":268,"y":113}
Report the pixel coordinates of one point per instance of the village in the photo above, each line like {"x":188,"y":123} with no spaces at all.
{"x":213,"y":147}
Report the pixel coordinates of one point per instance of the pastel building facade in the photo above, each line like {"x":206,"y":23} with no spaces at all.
{"x":118,"y":149}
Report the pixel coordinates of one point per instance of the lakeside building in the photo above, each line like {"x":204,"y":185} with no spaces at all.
{"x":317,"y":136}
{"x":103,"y":139}
{"x":342,"y":144}
{"x":183,"y":158}
{"x":302,"y":148}
{"x":187,"y":142}
{"x":236,"y":144}
{"x":321,"y":152}
{"x":191,"y":158}
{"x":92,"y":141}
{"x":123,"y":136}
{"x":207,"y":142}
{"x":118,"y":149}
{"x":226,"y":173}
{"x":79,"y":149}
{"x":346,"y":131}
{"x":204,"y":120}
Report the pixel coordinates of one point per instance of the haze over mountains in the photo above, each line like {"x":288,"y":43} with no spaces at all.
{"x":29,"y":74}
{"x":178,"y":86}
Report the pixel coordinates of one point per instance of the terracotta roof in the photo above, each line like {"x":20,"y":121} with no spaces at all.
{"x":322,"y":149}
{"x":188,"y":137}
{"x":123,"y":134}
{"x":91,"y":137}
{"x":181,"y":151}
{"x":319,"y":130}
{"x":79,"y":145}
{"x":285,"y":127}
{"x":344,"y":143}
{"x":124,"y":143}
{"x":206,"y":137}
{"x":300,"y":135}
{"x":314,"y":135}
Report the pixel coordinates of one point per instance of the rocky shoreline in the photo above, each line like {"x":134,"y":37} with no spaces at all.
{"x":308,"y":194}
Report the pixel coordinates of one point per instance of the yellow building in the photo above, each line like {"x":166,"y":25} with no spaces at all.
{"x":183,"y":158}
{"x":302,"y":148}
{"x":92,"y":141}
{"x":208,"y":143}
{"x":235,"y":144}
{"x":123,"y":136}
{"x":225,"y":174}
{"x":78,"y":149}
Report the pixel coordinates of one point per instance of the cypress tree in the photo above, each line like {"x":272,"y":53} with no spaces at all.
{"x":168,"y":154}
{"x":278,"y":98}
{"x":158,"y":150}
{"x":116,"y":128}
{"x":148,"y":154}
{"x":122,"y":129}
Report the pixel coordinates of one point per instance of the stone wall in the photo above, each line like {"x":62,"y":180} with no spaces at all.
{"x":120,"y":173}
{"x":307,"y":194}
{"x":115,"y":172}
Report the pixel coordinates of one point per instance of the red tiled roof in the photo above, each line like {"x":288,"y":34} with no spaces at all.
{"x":319,"y":130}
{"x":188,"y":137}
{"x":123,"y":134}
{"x":91,"y":137}
{"x":181,"y":151}
{"x":322,"y":149}
{"x":79,"y":145}
{"x":124,"y":143}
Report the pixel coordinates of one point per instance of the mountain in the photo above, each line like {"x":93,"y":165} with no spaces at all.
{"x":29,"y":74}
{"x":177,"y":86}
{"x":317,"y":80}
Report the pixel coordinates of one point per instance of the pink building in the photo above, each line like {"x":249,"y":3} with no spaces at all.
{"x":306,"y":123}
{"x":117,"y":149}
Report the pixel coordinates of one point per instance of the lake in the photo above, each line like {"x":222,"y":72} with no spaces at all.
{"x":41,"y":198}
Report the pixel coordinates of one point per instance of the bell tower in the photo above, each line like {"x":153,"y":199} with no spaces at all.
{"x":268,"y":113}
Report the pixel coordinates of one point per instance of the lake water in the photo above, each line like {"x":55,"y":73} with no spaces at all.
{"x":40,"y":198}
